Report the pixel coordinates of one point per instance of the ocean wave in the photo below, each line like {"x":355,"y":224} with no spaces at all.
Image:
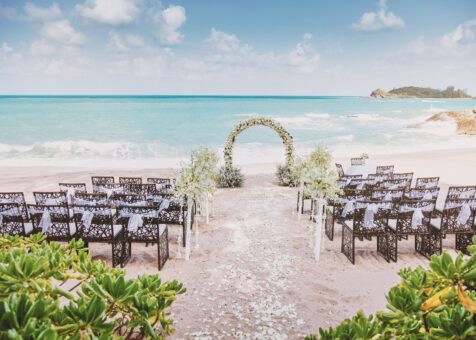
{"x":367,"y":117}
{"x":68,"y":149}
{"x":433,"y":101}
{"x":323,"y":115}
{"x":433,"y":110}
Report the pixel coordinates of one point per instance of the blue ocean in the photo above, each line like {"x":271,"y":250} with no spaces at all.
{"x":162,"y":130}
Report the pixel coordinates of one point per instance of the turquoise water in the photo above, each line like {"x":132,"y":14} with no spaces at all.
{"x":163,"y":129}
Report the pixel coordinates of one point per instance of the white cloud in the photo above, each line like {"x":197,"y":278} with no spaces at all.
{"x":169,"y":21}
{"x":233,"y":55}
{"x":148,"y":67}
{"x":37,"y":13}
{"x":118,"y":44}
{"x":62,"y":32}
{"x":463,"y":35}
{"x":378,"y":21}
{"x":224,"y":42}
{"x":115,"y":44}
{"x":304,"y":55}
{"x":41,"y":47}
{"x":111,"y":12}
{"x":5,"y":48}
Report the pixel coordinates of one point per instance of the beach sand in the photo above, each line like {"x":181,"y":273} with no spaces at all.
{"x":253,"y":275}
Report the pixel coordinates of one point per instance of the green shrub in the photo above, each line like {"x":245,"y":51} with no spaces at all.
{"x":230,"y":177}
{"x":53,"y":291}
{"x":434,"y":303}
{"x":285,"y":176}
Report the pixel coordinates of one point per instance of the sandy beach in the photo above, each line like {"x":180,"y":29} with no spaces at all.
{"x":253,"y":275}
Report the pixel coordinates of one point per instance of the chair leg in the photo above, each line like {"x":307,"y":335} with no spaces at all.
{"x":348,"y":244}
{"x":392,"y":245}
{"x":382,"y":246}
{"x":329,"y":225}
{"x":463,"y":241}
{"x":163,"y":249}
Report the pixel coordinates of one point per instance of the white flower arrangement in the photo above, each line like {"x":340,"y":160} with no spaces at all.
{"x":195,"y":182}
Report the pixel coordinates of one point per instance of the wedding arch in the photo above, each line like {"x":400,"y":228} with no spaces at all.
{"x":271,"y":123}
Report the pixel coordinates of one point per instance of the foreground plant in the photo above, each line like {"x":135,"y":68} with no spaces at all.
{"x":53,"y":291}
{"x":434,"y":303}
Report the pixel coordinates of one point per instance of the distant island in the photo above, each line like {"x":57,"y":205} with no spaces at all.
{"x":420,"y":92}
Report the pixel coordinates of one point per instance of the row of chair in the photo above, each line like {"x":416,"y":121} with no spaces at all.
{"x":137,"y":213}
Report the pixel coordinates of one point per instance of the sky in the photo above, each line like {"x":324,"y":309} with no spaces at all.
{"x":235,"y":47}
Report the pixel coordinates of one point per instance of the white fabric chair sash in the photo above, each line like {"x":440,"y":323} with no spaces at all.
{"x":109,"y":191}
{"x":87,"y":218}
{"x":464,"y":214}
{"x":45,"y":221}
{"x":417,"y":217}
{"x":136,"y":220}
{"x":164,"y":205}
{"x":348,"y":208}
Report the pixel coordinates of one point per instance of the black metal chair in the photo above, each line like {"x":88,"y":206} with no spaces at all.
{"x":162,"y":185}
{"x":13,"y":221}
{"x":422,"y":194}
{"x":340,"y":209}
{"x":71,"y":189}
{"x":413,"y":218}
{"x":427,"y":182}
{"x":86,"y":198}
{"x":101,"y":180}
{"x":367,"y":220}
{"x":141,"y":224}
{"x":97,"y":224}
{"x":53,"y":220}
{"x":130,"y":180}
{"x":457,"y":217}
{"x":385,"y":169}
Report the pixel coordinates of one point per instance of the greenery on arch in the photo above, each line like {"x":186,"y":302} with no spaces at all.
{"x":271,"y":123}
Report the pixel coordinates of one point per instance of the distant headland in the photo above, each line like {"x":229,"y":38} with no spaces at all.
{"x":420,"y":92}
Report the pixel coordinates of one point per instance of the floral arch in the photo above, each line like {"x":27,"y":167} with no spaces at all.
{"x":271,"y":123}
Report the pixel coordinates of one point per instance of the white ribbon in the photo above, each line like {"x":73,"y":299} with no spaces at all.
{"x":417,"y":218}
{"x":348,"y":208}
{"x":135,"y":221}
{"x":464,"y":214}
{"x":164,"y":205}
{"x":87,"y":218}
{"x":45,"y":222}
{"x":369,"y":215}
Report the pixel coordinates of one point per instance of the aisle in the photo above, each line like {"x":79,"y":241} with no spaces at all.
{"x":250,"y":286}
